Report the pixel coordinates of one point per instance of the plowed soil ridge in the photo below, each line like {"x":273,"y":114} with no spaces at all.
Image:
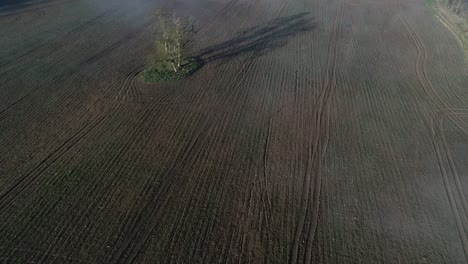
{"x":441,"y":110}
{"x":315,"y":132}
{"x":318,"y":145}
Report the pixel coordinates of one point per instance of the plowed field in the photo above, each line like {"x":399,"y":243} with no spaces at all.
{"x":315,"y":132}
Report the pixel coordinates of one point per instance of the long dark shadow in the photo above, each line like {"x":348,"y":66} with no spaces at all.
{"x":259,"y":40}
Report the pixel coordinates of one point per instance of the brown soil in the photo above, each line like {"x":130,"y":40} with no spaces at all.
{"x":316,"y":132}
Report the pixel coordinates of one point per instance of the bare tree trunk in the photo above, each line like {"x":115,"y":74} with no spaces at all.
{"x":179,"y":54}
{"x":174,"y":67}
{"x":175,"y":33}
{"x":457,"y":10}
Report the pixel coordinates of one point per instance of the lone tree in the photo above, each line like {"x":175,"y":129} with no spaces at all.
{"x":170,"y":61}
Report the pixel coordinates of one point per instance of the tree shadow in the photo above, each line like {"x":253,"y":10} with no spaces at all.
{"x":259,"y":40}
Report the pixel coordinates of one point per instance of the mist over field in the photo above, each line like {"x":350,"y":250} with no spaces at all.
{"x":311,"y":132}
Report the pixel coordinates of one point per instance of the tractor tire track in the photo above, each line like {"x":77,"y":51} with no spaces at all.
{"x":129,"y":257}
{"x":24,"y":181}
{"x":453,"y":168}
{"x":318,"y":146}
{"x":449,"y":191}
{"x":440,"y":145}
{"x":132,"y":239}
{"x":74,"y":224}
{"x":51,"y":84}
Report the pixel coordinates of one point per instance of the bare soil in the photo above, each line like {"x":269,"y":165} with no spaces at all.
{"x":316,"y":132}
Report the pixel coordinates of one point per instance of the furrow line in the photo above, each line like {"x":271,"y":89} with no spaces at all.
{"x":27,"y":179}
{"x":132,"y":239}
{"x":315,"y":152}
{"x":449,"y":192}
{"x":92,"y":186}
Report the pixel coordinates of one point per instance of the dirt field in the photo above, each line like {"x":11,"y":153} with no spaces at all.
{"x":316,"y":132}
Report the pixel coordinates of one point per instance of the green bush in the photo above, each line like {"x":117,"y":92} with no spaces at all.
{"x":158,"y":71}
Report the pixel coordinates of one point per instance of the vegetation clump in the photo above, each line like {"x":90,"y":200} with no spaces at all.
{"x":454,"y":15}
{"x":454,"y":6}
{"x":170,"y":60}
{"x":161,"y":70}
